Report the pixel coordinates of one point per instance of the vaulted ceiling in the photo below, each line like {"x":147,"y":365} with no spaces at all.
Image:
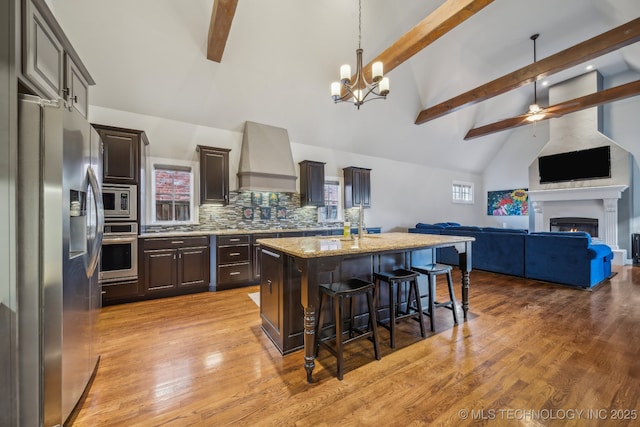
{"x":280,"y":56}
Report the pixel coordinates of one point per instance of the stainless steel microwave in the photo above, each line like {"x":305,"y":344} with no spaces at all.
{"x":120,"y":202}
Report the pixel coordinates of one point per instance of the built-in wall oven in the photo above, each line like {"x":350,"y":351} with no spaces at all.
{"x":119,"y":252}
{"x":120,"y":202}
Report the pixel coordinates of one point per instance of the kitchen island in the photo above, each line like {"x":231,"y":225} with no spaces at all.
{"x":293,"y":269}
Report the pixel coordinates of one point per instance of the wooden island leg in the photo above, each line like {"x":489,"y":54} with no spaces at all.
{"x":309,"y":341}
{"x":465,"y":267}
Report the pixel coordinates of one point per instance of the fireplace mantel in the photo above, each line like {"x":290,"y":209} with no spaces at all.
{"x":606,"y":196}
{"x":577,"y":193}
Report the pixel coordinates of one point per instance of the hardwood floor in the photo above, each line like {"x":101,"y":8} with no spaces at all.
{"x":531,"y":353}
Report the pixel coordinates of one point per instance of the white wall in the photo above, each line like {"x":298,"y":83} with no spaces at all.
{"x":510,"y":169}
{"x":402,"y":194}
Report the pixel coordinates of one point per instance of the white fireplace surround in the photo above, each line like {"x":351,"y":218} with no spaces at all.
{"x":592,"y":202}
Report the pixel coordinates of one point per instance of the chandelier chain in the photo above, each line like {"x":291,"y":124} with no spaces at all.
{"x":359,"y":24}
{"x":356,"y":86}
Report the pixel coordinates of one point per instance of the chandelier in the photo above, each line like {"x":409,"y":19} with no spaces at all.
{"x":360,"y":89}
{"x":535,"y":112}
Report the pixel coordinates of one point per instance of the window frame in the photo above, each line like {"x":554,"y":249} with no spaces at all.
{"x":175,"y":166}
{"x":337,"y":181}
{"x":462,"y":185}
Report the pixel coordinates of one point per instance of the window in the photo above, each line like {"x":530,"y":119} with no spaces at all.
{"x":331,"y":211}
{"x":462,"y":192}
{"x":172,"y":193}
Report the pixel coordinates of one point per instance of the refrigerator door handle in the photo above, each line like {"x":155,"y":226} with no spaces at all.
{"x":97,"y":242}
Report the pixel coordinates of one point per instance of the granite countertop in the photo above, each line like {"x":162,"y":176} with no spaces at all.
{"x":228,"y":231}
{"x":323,"y":246}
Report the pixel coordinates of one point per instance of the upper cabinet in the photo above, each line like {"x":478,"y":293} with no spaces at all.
{"x":214,"y":175}
{"x":50,"y":66}
{"x":121,"y":156}
{"x":311,"y":183}
{"x":357,"y":187}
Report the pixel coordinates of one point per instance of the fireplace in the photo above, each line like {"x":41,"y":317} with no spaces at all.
{"x":582,"y":198}
{"x":588,"y":225}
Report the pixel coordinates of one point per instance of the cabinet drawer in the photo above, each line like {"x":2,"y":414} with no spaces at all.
{"x":233,"y":240}
{"x":118,"y":290}
{"x":175,"y":242}
{"x":234,"y":273}
{"x":233,"y":254}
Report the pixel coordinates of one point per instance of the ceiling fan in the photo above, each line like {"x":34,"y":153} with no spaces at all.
{"x":535,"y":112}
{"x":616,"y":93}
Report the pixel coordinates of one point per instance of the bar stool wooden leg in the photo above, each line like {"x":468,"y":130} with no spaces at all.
{"x":432,"y":301}
{"x":339,"y":338}
{"x":392,"y":315}
{"x":319,"y":325}
{"x":452,"y":297}
{"x":416,"y":292}
{"x":373,"y":324}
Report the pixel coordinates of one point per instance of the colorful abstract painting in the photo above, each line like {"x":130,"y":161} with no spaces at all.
{"x":508,"y":202}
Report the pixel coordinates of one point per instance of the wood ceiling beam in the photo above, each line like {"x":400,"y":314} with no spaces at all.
{"x":219,"y":27}
{"x":592,"y":100}
{"x":442,"y":20}
{"x":614,"y":39}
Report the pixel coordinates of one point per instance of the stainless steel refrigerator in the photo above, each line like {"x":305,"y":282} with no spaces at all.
{"x":61,"y":220}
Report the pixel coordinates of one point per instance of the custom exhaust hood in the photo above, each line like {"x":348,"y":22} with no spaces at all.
{"x":266,"y":162}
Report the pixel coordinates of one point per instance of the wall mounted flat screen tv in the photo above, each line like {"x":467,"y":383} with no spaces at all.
{"x":594,"y":163}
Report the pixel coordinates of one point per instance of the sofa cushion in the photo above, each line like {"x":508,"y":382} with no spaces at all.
{"x":464,"y":228}
{"x":581,"y":234}
{"x":504,"y":230}
{"x":423,"y":225}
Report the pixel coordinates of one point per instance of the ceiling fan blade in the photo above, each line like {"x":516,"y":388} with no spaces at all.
{"x":592,"y":100}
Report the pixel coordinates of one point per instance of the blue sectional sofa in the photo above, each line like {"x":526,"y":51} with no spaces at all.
{"x":566,"y":258}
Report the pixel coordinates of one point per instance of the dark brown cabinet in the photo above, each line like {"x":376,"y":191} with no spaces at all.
{"x":214,"y":175}
{"x":113,"y":293}
{"x":280,"y":297}
{"x":50,"y":66}
{"x":255,"y":254}
{"x":121,"y":156}
{"x":271,"y":295}
{"x":173,"y":266}
{"x":233,"y":254}
{"x":357,"y":187}
{"x":311,"y":183}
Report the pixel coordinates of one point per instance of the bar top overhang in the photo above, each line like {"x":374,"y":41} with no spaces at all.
{"x":316,"y":247}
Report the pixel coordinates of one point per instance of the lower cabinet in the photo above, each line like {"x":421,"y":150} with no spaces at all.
{"x":174,"y":266}
{"x":233,"y":259}
{"x":280,"y":307}
{"x":114,"y":293}
{"x":255,"y":253}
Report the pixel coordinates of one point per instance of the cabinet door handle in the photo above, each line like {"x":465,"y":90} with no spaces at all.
{"x":234,"y":254}
{"x":234,"y":240}
{"x":269,"y":283}
{"x":180,"y":255}
{"x":234,"y":273}
{"x":175,"y":242}
{"x":174,"y":256}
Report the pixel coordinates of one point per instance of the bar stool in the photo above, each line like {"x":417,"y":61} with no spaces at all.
{"x":394,"y":279}
{"x":432,"y":271}
{"x":338,"y":292}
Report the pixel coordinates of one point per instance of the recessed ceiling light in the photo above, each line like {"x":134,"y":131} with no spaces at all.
{"x":589,"y":67}
{"x":545,"y":83}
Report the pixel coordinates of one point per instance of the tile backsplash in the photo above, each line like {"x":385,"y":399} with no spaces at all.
{"x":265,"y":205}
